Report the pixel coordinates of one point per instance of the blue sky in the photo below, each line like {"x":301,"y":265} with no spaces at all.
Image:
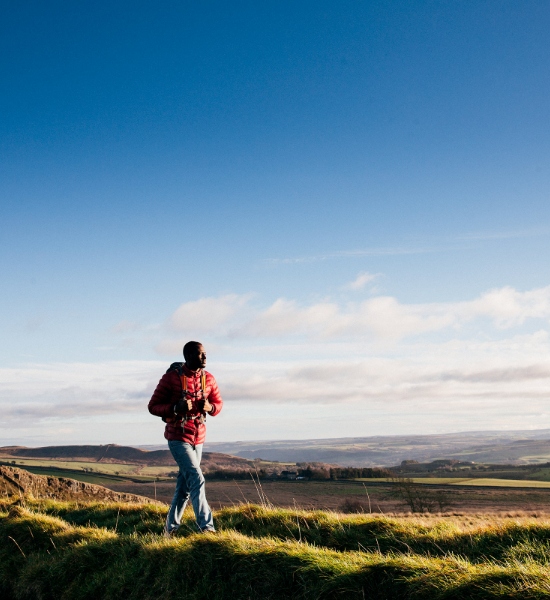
{"x":347,"y":202}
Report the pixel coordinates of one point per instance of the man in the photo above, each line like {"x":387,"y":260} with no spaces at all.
{"x":183,"y":398}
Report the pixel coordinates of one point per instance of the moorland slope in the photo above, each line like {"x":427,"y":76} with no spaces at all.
{"x":75,"y":551}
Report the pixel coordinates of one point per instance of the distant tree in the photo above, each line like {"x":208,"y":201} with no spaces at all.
{"x":320,"y":473}
{"x":350,"y":506}
{"x":418,"y":497}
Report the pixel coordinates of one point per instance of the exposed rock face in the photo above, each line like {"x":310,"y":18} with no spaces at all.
{"x":14,"y":482}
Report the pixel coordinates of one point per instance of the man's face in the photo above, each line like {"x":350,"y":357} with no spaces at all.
{"x":197,"y":358}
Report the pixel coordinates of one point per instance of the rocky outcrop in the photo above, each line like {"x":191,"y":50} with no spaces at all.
{"x":18,"y":482}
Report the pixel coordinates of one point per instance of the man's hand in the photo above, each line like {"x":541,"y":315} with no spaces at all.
{"x":207,"y":406}
{"x":183,"y":406}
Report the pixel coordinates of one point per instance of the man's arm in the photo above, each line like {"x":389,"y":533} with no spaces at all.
{"x":162,"y":400}
{"x":213,"y":404}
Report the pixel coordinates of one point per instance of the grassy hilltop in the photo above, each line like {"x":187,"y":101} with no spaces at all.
{"x":63,"y":550}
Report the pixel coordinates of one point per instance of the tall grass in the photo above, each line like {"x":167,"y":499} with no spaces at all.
{"x":81,"y":551}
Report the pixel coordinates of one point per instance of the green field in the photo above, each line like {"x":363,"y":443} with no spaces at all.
{"x":73,"y":465}
{"x":470,"y":481}
{"x":98,"y":467}
{"x":98,"y":477}
{"x":516,"y":483}
{"x":59,"y":550}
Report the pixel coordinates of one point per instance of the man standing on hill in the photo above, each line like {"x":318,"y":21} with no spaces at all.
{"x":184,"y":396}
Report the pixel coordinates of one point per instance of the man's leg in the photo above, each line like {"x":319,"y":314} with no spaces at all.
{"x":179,"y":501}
{"x":197,"y":489}
{"x":188,"y":459}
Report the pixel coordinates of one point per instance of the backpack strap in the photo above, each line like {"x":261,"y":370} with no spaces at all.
{"x":183,"y":380}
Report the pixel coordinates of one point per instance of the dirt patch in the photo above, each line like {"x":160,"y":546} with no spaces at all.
{"x":14,"y":481}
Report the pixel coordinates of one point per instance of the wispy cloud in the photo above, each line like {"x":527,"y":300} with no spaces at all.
{"x":479,"y":377}
{"x":503,"y":235}
{"x":500,"y":375}
{"x":361,"y":281}
{"x":350,"y":254}
{"x":435,"y":245}
{"x":126,"y":327}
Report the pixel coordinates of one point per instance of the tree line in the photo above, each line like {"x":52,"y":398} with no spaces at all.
{"x":306,"y":471}
{"x":312,"y":472}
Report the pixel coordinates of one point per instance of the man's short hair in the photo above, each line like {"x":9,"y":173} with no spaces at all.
{"x":189,"y":347}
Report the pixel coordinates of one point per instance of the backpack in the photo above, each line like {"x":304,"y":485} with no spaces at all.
{"x":178,"y":366}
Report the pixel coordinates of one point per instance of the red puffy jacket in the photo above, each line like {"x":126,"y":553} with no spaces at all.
{"x":168,"y":393}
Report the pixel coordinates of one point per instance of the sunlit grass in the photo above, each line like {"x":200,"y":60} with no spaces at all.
{"x":67,"y":550}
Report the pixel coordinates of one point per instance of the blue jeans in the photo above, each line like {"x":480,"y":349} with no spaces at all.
{"x":190,"y":483}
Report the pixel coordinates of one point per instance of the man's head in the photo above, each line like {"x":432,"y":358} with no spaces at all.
{"x":195,"y":356}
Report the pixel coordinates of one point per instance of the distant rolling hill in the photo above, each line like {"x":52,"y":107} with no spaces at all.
{"x":497,"y":447}
{"x":112,"y":453}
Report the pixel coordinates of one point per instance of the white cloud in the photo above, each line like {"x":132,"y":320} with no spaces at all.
{"x":378,"y":319}
{"x":61,"y":390}
{"x":285,"y":317}
{"x":289,"y":355}
{"x":207,"y":314}
{"x":515,"y":369}
{"x":385,"y":318}
{"x":508,"y":308}
{"x":361,"y":281}
{"x":454,"y":373}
